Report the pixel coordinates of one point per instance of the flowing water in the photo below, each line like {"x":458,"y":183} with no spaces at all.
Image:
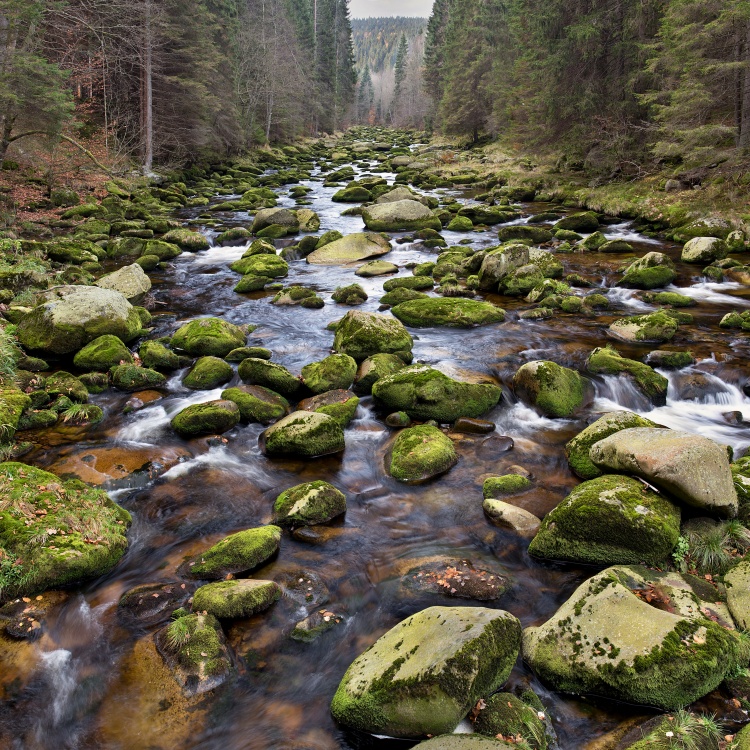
{"x":91,"y":682}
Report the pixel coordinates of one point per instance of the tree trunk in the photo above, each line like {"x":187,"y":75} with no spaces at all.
{"x":744,"y":139}
{"x":7,"y":128}
{"x":148,"y":93}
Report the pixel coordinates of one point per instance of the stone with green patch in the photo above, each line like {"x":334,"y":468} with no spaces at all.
{"x":303,"y":433}
{"x":210,"y":418}
{"x":420,"y":453}
{"x":102,"y":353}
{"x":309,"y":504}
{"x":448,"y":312}
{"x":608,"y":361}
{"x":208,"y":373}
{"x":555,"y":390}
{"x":208,"y":337}
{"x":229,"y":600}
{"x":361,"y":335}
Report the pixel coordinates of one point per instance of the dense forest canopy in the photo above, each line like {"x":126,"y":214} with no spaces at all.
{"x":610,"y":81}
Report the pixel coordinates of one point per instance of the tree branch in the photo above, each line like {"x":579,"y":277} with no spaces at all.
{"x":67,"y":138}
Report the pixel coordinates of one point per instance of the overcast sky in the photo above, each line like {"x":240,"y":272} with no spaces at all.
{"x":367,"y":8}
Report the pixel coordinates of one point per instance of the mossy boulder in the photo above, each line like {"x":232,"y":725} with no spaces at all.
{"x":339,"y":404}
{"x":420,"y":453}
{"x":233,"y":236}
{"x":501,"y":263}
{"x":361,"y":335}
{"x":333,"y":373}
{"x":352,"y":194}
{"x":689,"y":467}
{"x":76,"y":315}
{"x":373,"y":369}
{"x":236,"y":554}
{"x":505,"y":715}
{"x":245,"y":352}
{"x":656,"y":328}
{"x":737,"y":582}
{"x":608,"y":521}
{"x":131,"y":281}
{"x":261,"y":265}
{"x":308,"y":504}
{"x":509,"y":484}
{"x":102,"y":353}
{"x":75,"y":251}
{"x":281,"y":217}
{"x":668,"y":360}
{"x":607,"y":361}
{"x":229,"y":600}
{"x":66,"y":384}
{"x":158,"y":248}
{"x":187,"y":239}
{"x":298,"y":295}
{"x":577,"y":449}
{"x":555,"y":390}
{"x":400,"y":216}
{"x":376,"y":268}
{"x":351,"y":295}
{"x":131,"y":378}
{"x":460,"y":224}
{"x":451,"y":312}
{"x":401,"y":294}
{"x":208,"y":337}
{"x":156,"y":356}
{"x":251,"y":283}
{"x":425,"y":393}
{"x":303,"y":433}
{"x":256,"y":371}
{"x":649,"y":272}
{"x":535,"y":235}
{"x":54,"y":532}
{"x":704,"y":250}
{"x":350,"y":249}
{"x":257,"y":404}
{"x":210,"y":418}
{"x":587,"y":221}
{"x":607,"y":640}
{"x":208,"y":373}
{"x":424,"y":675}
{"x":466,"y":742}
{"x":195,"y":649}
{"x":413,"y":283}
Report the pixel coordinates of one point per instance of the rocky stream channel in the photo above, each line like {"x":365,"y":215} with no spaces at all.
{"x":442,"y":519}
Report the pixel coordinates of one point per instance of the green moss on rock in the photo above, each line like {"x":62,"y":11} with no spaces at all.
{"x":556,"y":391}
{"x":102,"y":353}
{"x":54,"y":532}
{"x":213,"y":417}
{"x":420,"y":453}
{"x":309,"y":504}
{"x":208,"y":337}
{"x":131,"y":378}
{"x":229,"y":600}
{"x":510,"y":484}
{"x":208,"y":373}
{"x":449,"y":312}
{"x":238,"y":553}
{"x":257,"y":404}
{"x":257,"y":371}
{"x":303,"y":433}
{"x":608,"y":361}
{"x":425,"y":393}
{"x":361,"y":335}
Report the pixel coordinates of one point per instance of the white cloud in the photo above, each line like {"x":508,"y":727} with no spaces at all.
{"x":370,"y":8}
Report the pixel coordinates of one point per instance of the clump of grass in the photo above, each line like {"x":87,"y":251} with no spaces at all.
{"x":713,"y":548}
{"x":8,"y":357}
{"x":692,"y":732}
{"x":82,"y":414}
{"x":179,"y":633}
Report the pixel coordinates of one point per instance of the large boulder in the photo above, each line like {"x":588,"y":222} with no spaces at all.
{"x":657,"y":327}
{"x":360,"y":335}
{"x":651,"y":271}
{"x":704,"y":250}
{"x":211,"y":418}
{"x":267,"y":217}
{"x":261,"y":265}
{"x":373,"y":369}
{"x":500,"y":263}
{"x":131,"y":281}
{"x":420,"y":453}
{"x":425,"y":393}
{"x":76,"y":315}
{"x":257,"y":371}
{"x":451,"y":312}
{"x":232,"y":599}
{"x":350,"y":249}
{"x":335,"y":372}
{"x":55,"y":532}
{"x":400,"y":216}
{"x":690,"y":467}
{"x":187,"y":239}
{"x":637,"y":636}
{"x":339,"y":404}
{"x":303,"y":433}
{"x":309,"y":504}
{"x":424,"y":675}
{"x":607,"y":521}
{"x":587,"y":221}
{"x":257,"y":404}
{"x":102,"y":353}
{"x":208,"y":337}
{"x":235,"y":554}
{"x":577,"y":449}
{"x":208,"y":373}
{"x":555,"y":390}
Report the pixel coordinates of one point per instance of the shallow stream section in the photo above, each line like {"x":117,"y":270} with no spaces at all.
{"x":90,"y":682}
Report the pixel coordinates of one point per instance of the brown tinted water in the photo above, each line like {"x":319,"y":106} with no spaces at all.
{"x":91,"y":682}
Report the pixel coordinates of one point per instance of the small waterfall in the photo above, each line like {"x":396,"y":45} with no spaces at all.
{"x":625,"y":232}
{"x":712,"y":293}
{"x":61,"y":673}
{"x":622,"y":297}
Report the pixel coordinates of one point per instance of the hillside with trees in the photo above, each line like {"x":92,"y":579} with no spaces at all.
{"x":615,"y":84}
{"x":170,"y":81}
